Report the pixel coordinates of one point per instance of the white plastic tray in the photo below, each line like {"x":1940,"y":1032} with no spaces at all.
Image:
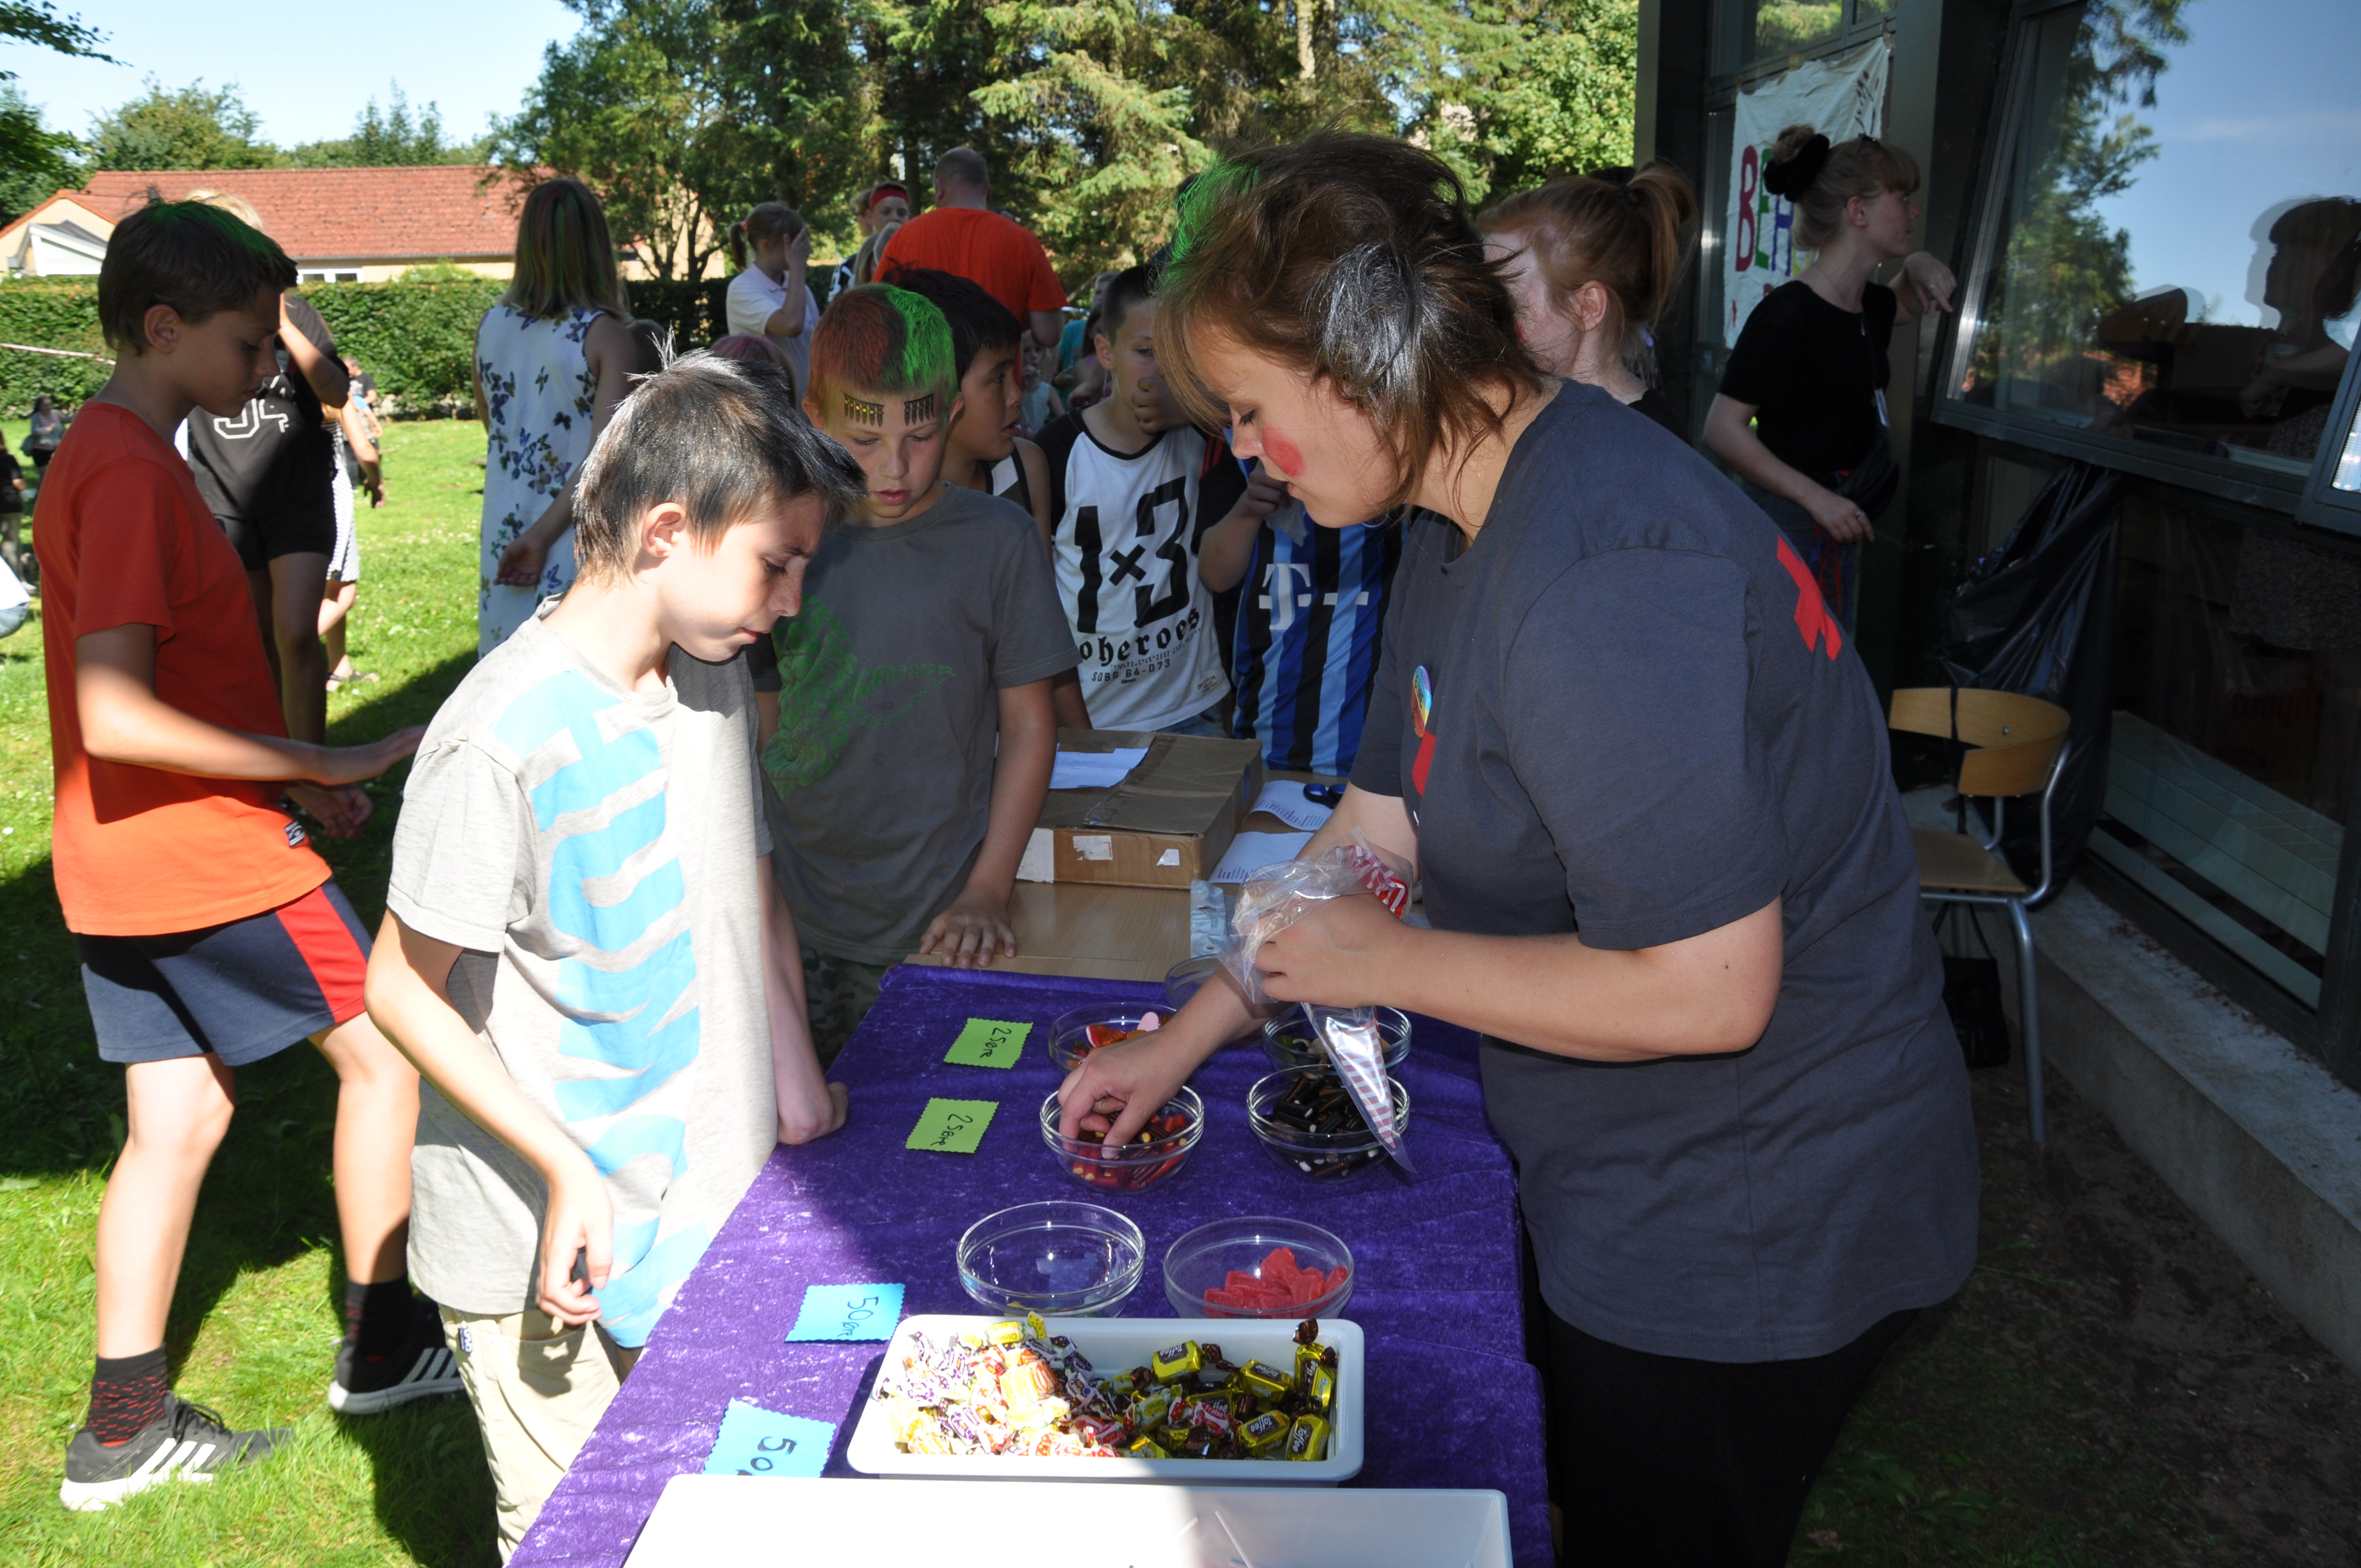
{"x":1118,"y":1344}
{"x":755,"y":1522}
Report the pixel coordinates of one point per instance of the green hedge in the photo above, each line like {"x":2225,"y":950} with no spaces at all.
{"x":416,"y":336}
{"x":63,"y":314}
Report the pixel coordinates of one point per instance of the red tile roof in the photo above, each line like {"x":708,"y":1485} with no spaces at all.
{"x":343,"y":215}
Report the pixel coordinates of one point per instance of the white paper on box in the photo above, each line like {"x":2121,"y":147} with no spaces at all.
{"x":1283,"y":798}
{"x":1168,"y":857}
{"x":1039,"y":861}
{"x":1094,"y":846}
{"x":1250,"y":852}
{"x":1094,"y":769}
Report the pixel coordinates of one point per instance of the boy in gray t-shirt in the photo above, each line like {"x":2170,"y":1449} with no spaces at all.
{"x":583,"y":951}
{"x":914,"y":734}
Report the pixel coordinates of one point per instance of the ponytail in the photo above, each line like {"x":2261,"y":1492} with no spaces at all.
{"x":768,"y":221}
{"x":1629,"y":231}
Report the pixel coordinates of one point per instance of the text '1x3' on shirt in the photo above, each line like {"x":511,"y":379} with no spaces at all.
{"x":125,"y":540}
{"x":1308,"y":638}
{"x":595,"y":853}
{"x":1127,"y":529}
{"x":1624,"y":709}
{"x":889,"y":683}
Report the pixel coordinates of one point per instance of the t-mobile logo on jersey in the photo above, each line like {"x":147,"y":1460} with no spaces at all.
{"x":1279,"y":583}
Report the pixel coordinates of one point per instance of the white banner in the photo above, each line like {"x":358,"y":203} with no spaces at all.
{"x":1842,"y":97}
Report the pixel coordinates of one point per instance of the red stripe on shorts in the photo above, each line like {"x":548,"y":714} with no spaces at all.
{"x":337,"y":964}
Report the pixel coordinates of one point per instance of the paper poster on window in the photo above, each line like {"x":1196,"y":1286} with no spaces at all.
{"x":1843,"y":97}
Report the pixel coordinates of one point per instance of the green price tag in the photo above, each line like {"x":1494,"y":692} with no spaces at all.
{"x":952,"y":1126}
{"x":988,"y":1042}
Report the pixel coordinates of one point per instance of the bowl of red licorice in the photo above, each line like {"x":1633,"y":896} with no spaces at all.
{"x":1258,"y":1267}
{"x":1076,"y":1034}
{"x":1154,"y":1152}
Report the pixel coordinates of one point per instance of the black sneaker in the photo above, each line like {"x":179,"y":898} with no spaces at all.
{"x":186,"y":1442}
{"x":420,"y":1370}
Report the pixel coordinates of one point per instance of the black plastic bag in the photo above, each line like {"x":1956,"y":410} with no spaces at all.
{"x":1971,"y":994}
{"x":2037,"y":617}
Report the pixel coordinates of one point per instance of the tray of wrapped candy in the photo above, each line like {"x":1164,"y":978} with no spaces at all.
{"x":1255,"y":1403}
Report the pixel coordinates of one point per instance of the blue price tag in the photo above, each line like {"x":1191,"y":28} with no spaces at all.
{"x":756,"y":1441}
{"x":848,"y":1311}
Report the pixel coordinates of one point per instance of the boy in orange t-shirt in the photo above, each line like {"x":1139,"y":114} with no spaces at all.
{"x":210,"y":934}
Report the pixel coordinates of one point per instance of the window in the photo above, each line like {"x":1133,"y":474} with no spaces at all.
{"x":2169,"y":266}
{"x":324,"y":275}
{"x":1775,"y":31}
{"x":2236,"y":729}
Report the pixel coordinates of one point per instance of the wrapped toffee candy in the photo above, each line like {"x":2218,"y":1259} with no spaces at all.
{"x":1307,"y":1438}
{"x":1263,"y":1434}
{"x":1184,"y":1360}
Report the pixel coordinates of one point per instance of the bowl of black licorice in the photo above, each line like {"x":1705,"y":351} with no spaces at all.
{"x":1289,"y":1040}
{"x":1306,"y":1121}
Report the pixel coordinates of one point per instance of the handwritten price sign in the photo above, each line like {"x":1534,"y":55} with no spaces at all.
{"x":989,"y":1042}
{"x":756,"y":1441}
{"x":848,"y":1311}
{"x":952,"y":1126}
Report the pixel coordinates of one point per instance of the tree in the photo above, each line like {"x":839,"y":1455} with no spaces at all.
{"x":193,"y":129}
{"x":34,"y":159}
{"x":389,"y":137}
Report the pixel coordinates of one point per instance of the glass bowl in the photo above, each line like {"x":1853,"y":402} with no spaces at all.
{"x":1323,"y":1157}
{"x":1288,"y":1042}
{"x":1202,"y":1267}
{"x":1058,"y":1259}
{"x":1070,"y":1032}
{"x":1128,"y":1167}
{"x":1183,"y":979}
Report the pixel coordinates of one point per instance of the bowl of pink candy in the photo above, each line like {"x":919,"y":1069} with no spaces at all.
{"x":1258,"y":1267}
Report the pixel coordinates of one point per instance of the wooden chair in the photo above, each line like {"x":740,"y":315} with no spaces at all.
{"x":2016,"y":748}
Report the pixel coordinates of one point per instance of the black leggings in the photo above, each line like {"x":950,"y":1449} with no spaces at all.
{"x":1660,"y":1462}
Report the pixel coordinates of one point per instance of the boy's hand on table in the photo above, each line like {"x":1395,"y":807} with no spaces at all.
{"x":579,"y":1219}
{"x":971,"y":933}
{"x":839,"y":1104}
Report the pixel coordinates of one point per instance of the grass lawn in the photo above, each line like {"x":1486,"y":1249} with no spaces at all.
{"x":2110,"y":1388}
{"x":254,"y":1325}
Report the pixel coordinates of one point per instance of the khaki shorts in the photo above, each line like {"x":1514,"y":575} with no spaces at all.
{"x":538,"y":1389}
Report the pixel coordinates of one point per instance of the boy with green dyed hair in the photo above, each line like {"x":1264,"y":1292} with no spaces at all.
{"x":908,"y":727}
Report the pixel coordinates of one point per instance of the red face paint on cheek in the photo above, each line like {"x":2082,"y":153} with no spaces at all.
{"x":1283,"y":451}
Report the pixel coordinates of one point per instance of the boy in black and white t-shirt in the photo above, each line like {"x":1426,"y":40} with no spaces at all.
{"x":1135,"y":493}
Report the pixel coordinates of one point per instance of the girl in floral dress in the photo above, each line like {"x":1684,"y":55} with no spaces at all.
{"x":552,"y":359}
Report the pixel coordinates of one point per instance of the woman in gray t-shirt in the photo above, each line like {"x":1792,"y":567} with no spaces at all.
{"x":1641,"y":778}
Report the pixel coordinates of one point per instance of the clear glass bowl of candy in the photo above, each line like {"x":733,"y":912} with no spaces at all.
{"x":1059,"y":1259}
{"x":1306,"y":1121}
{"x":1153,"y":1154}
{"x":1259,"y":1266}
{"x":1075,"y":1035}
{"x":1289,"y":1041}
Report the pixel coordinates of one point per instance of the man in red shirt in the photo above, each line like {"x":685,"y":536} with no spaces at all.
{"x":959,"y":234}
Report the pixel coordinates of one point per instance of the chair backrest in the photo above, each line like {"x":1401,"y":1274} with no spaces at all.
{"x":2014,"y":739}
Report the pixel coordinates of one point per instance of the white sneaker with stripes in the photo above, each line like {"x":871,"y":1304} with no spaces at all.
{"x":421,"y":1369}
{"x":186,"y":1442}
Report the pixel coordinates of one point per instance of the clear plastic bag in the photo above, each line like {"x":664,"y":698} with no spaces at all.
{"x":1277,"y":896}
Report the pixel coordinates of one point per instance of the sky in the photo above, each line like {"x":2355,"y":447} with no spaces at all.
{"x":307,"y":71}
{"x":2247,"y":124}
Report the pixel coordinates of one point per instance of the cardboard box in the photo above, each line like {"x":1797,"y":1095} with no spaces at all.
{"x":1165,"y":825}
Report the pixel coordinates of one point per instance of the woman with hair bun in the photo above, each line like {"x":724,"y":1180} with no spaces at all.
{"x":1592,"y":262}
{"x":1668,"y":878}
{"x":1801,"y":414}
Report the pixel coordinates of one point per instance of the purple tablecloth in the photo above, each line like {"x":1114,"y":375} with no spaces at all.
{"x":1452,"y":1400}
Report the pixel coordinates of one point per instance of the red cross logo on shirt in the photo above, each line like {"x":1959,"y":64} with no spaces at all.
{"x":1812,"y":617}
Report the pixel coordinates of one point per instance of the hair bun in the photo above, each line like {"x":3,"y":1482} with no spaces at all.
{"x":1791,"y":176}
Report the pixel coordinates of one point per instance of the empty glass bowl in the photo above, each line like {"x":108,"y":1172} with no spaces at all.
{"x":1323,"y":1157}
{"x":1058,"y":1259}
{"x":1128,"y":1167}
{"x":1288,"y":1042}
{"x":1218,"y":1269}
{"x":1071,"y":1034}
